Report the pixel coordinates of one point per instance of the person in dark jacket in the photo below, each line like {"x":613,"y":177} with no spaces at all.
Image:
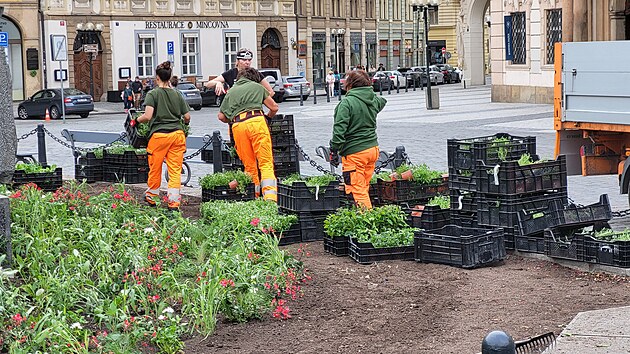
{"x":137,"y":87}
{"x":354,"y":136}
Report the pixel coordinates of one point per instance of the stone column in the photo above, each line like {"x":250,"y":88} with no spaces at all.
{"x":5,"y":228}
{"x":8,"y":137}
{"x":567,"y":21}
{"x":580,"y":21}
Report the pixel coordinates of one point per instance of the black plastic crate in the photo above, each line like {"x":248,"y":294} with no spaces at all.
{"x":338,"y":246}
{"x":612,"y":253}
{"x":291,"y":236}
{"x":463,"y":200}
{"x":90,"y":159}
{"x":462,"y":180}
{"x":132,"y":133}
{"x":402,"y":191}
{"x":285,"y":154}
{"x":281,"y":125}
{"x":47,"y":181}
{"x":464,"y":154}
{"x":125,"y":174}
{"x":208,"y":156}
{"x":464,"y":218}
{"x":559,"y":214}
{"x":428,"y":217}
{"x":285,"y":169}
{"x":530,"y":244}
{"x":564,"y":243}
{"x":312,"y":226}
{"x":282,"y":140}
{"x":511,"y":178}
{"x":503,"y":211}
{"x":366,"y":253}
{"x":460,"y":246}
{"x":226,"y":193}
{"x":89,"y":174}
{"x":127,"y":158}
{"x":300,"y":198}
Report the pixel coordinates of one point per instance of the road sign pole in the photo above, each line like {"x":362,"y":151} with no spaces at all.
{"x":63,"y":103}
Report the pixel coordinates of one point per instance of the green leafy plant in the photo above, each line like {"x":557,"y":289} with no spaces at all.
{"x":500,"y":146}
{"x":421,"y":174}
{"x":223,"y":179}
{"x":311,"y":181}
{"x":120,"y":148}
{"x":443,"y":201}
{"x":610,"y":235}
{"x":383,"y":175}
{"x":34,"y":168}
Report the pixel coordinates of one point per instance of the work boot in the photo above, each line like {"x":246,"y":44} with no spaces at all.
{"x":149,"y":200}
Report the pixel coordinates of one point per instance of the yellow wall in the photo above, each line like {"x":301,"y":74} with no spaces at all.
{"x":446,"y":28}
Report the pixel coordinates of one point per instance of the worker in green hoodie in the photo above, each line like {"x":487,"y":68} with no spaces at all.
{"x":354,"y":136}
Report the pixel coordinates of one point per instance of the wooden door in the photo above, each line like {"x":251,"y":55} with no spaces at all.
{"x":82,"y":73}
{"x":270,"y":57}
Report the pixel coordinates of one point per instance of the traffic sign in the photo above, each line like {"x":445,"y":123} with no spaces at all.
{"x":59,"y":47}
{"x":170,"y":47}
{"x":4,"y":39}
{"x":443,"y":50}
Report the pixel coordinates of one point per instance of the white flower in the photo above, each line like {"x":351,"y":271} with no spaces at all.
{"x":161,"y":317}
{"x":148,"y":230}
{"x":168,"y":310}
{"x":75,"y":252}
{"x":76,"y":325}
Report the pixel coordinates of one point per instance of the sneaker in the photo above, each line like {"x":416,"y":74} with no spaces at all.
{"x":150,"y":201}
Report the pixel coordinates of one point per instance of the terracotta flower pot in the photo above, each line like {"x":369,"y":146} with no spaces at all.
{"x":393,"y":176}
{"x":407,"y":175}
{"x":233,"y":184}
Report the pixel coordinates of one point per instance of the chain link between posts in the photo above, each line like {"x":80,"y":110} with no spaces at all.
{"x":122,"y":138}
{"x":24,"y":136}
{"x":196,"y":153}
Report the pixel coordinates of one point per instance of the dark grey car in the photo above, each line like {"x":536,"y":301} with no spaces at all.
{"x":76,"y":102}
{"x":191,"y":94}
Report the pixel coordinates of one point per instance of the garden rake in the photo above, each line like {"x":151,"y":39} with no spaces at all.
{"x":535,"y":345}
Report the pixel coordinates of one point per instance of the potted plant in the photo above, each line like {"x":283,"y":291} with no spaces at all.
{"x":229,"y":185}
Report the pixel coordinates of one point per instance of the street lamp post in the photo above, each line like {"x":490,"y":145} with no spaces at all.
{"x":337,"y":32}
{"x":424,"y":5}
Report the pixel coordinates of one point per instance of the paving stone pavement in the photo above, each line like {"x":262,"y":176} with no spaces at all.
{"x":404,"y":121}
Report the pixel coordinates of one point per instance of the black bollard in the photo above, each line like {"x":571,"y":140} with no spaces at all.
{"x":327,"y":96}
{"x":339,"y":96}
{"x":399,"y":159}
{"x":414,"y":84}
{"x":41,"y":145}
{"x":422,"y":85}
{"x":389,"y":88}
{"x":407,"y":86}
{"x":217,"y":159}
{"x":380,"y":87}
{"x":398,"y":85}
{"x":314,"y":93}
{"x":301,"y":97}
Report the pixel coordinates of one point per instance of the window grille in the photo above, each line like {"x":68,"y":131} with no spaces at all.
{"x":554,"y":32}
{"x":519,"y":38}
{"x":146,"y":52}
{"x":230,"y":50}
{"x":190,"y":49}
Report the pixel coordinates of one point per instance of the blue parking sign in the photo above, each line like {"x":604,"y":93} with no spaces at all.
{"x":170,"y":47}
{"x":4,"y":39}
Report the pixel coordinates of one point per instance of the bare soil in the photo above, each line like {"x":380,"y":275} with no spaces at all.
{"x":409,"y":307}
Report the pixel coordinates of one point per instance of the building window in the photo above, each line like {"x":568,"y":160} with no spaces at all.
{"x":190,"y":50}
{"x":518,"y":38}
{"x":369,"y":8}
{"x":384,"y":9}
{"x":554,"y":32}
{"x":396,"y":9}
{"x":146,"y":54}
{"x":232,"y":43}
{"x":433,"y":16}
{"x":317,"y":8}
{"x":355,"y":9}
{"x":337,"y":8}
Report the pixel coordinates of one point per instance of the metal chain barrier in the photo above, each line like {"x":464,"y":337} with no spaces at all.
{"x":122,"y":137}
{"x":384,"y":164}
{"x":314,"y":164}
{"x":196,"y":153}
{"x":407,"y":159}
{"x":24,"y":136}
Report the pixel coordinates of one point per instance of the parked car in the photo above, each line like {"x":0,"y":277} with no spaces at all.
{"x":276,"y":83}
{"x":191,"y":94}
{"x":381,"y":81}
{"x":75,"y":102}
{"x":436,"y":76}
{"x":292,"y":86}
{"x":399,"y":80}
{"x":413,"y":76}
{"x":450,"y":75}
{"x":209,"y":98}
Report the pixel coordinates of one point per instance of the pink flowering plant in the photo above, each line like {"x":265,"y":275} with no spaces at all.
{"x":102,"y":273}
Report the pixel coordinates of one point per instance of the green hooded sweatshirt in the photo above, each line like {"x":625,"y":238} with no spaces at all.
{"x":354,"y":129}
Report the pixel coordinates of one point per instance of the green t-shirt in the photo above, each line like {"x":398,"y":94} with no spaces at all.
{"x":169,"y":107}
{"x":246,"y":95}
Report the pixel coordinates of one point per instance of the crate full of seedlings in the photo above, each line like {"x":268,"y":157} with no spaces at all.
{"x":465,"y":154}
{"x":337,"y":230}
{"x":565,"y":243}
{"x":412,"y":184}
{"x":308,"y":194}
{"x":607,"y":247}
{"x":561,"y":215}
{"x":125,"y":155}
{"x":48,"y":178}
{"x":523,"y":176}
{"x":138,"y":134}
{"x":89,"y":167}
{"x":460,"y":247}
{"x":229,"y":185}
{"x":434,"y":215}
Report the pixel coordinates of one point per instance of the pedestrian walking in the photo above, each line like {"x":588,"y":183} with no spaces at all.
{"x":242,"y":109}
{"x":137,"y":88}
{"x":337,"y":82}
{"x":167,"y":113}
{"x":354,"y":136}
{"x":381,"y":67}
{"x":127,"y":97}
{"x":244,"y":58}
{"x":330,"y":81}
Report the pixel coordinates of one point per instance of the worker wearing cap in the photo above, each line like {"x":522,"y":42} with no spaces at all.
{"x":242,"y":108}
{"x":244,"y":58}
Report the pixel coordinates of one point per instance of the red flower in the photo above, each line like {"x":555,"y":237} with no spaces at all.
{"x":17,"y":319}
{"x":255,"y":222}
{"x":114,"y":206}
{"x":226,"y":282}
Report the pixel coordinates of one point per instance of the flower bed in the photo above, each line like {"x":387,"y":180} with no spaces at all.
{"x":103,"y":274}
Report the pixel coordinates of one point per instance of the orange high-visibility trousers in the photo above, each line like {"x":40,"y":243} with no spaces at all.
{"x":357,"y":170}
{"x":253,"y":144}
{"x":169,"y":147}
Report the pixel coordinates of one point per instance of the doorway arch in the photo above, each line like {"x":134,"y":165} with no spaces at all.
{"x":14,"y":56}
{"x":470,"y":37}
{"x":88,"y":68}
{"x":271,"y":49}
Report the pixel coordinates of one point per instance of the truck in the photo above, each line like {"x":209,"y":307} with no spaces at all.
{"x":592,"y":108}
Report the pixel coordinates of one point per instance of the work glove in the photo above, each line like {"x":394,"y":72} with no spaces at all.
{"x":334,"y":157}
{"x":133,"y":122}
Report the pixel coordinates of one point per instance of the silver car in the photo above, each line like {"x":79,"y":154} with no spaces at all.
{"x":191,"y":94}
{"x":292,"y":86}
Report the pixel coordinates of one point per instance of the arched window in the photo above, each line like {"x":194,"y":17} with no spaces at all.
{"x":270,"y":39}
